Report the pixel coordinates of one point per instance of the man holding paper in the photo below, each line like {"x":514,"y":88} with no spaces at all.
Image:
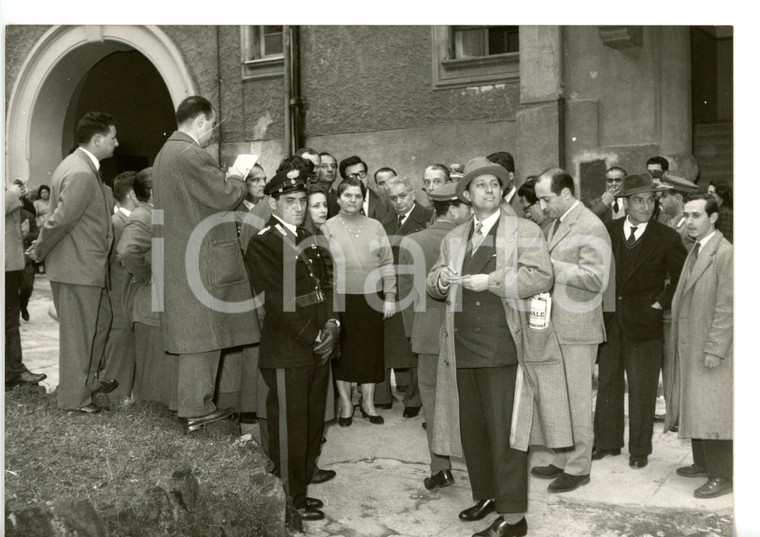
{"x":488,"y":266}
{"x":579,"y":246}
{"x":208,"y":304}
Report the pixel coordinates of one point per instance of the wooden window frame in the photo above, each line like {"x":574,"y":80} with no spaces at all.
{"x":272,"y":66}
{"x":450,"y":72}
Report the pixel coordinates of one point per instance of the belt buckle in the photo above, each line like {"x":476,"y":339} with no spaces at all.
{"x":319,"y":294}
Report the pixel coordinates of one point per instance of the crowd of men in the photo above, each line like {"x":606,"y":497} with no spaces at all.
{"x":640,"y":282}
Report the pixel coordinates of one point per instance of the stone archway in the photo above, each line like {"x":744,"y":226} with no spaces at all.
{"x":50,"y":75}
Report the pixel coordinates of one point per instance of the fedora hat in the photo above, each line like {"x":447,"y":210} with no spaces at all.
{"x":638,"y":184}
{"x":678,"y":184}
{"x":477,"y":167}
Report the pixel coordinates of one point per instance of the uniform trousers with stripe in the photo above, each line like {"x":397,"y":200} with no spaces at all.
{"x":486,"y":399}
{"x":295,"y":420}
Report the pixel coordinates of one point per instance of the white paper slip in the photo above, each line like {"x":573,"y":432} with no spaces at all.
{"x":245,"y":163}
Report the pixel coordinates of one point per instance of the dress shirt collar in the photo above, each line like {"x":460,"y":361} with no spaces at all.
{"x":94,"y":160}
{"x":561,"y":218}
{"x":703,"y":241}
{"x":487,"y":223}
{"x":248,"y":204}
{"x":407,"y":213}
{"x":125,"y":212}
{"x":639,"y":229}
{"x":509,"y":195}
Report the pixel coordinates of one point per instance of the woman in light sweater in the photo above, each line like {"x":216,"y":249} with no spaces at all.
{"x":366,"y":292}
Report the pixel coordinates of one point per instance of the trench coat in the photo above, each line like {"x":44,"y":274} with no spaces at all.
{"x":703,"y":323}
{"x":208,"y":305}
{"x":541,"y":413}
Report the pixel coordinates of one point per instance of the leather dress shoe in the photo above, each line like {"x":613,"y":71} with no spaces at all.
{"x":479,"y":510}
{"x":195,"y":423}
{"x":88,"y":409}
{"x":500,"y":528}
{"x":598,"y":453}
{"x":566,"y":482}
{"x":411,"y":411}
{"x":659,"y":417}
{"x":26,"y":377}
{"x":546,"y":472}
{"x":314,"y":503}
{"x":307,"y":513}
{"x":106,"y":386}
{"x":638,"y":461}
{"x":439,"y":480}
{"x":322,"y":476}
{"x":717,"y":486}
{"x":691,"y":471}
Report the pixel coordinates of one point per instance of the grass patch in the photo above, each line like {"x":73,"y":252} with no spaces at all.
{"x":113,"y":459}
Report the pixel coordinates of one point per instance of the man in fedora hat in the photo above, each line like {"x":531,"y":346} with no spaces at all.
{"x":486,"y":269}
{"x":648,"y":260}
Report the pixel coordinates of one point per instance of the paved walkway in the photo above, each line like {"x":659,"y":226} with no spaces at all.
{"x":378,"y":491}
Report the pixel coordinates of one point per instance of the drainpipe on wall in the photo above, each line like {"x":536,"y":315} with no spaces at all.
{"x":296,"y":102}
{"x":561,"y":150}
{"x":219,"y":97}
{"x":286,"y":82}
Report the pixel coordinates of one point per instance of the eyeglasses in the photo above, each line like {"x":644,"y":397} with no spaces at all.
{"x":615,"y":180}
{"x":358,"y":175}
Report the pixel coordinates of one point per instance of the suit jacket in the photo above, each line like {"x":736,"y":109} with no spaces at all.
{"x":119,"y":275}
{"x":207,"y":303}
{"x":581,"y":257}
{"x":134,"y":253}
{"x":703,"y":323}
{"x":601,"y":210}
{"x":417,"y":220}
{"x":290,"y":327}
{"x":423,"y":316}
{"x":76,"y":239}
{"x":541,"y":413}
{"x":651,"y":279}
{"x":379,"y":208}
{"x":14,"y":243}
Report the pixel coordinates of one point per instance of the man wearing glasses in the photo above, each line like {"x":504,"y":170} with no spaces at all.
{"x":374,"y":205}
{"x":648,"y":260}
{"x":609,"y":207}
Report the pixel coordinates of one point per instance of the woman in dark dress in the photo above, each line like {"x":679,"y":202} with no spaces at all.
{"x":366,"y":285}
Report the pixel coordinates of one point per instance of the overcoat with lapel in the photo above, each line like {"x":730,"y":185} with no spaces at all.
{"x":424,"y":316}
{"x":581,"y":257}
{"x":76,"y":239}
{"x":703,"y":323}
{"x":398,"y":349}
{"x":207,"y":297}
{"x":541,"y":414}
{"x":651,"y":278}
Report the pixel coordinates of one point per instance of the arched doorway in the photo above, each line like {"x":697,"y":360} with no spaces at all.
{"x":134,"y":73}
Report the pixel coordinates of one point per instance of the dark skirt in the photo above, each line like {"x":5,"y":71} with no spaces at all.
{"x":361,"y":341}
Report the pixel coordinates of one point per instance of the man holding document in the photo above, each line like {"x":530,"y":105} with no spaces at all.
{"x":487,"y":267}
{"x":580,"y":250}
{"x":208,"y":304}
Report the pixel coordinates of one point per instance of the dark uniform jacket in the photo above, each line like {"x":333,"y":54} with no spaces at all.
{"x":291,"y":275}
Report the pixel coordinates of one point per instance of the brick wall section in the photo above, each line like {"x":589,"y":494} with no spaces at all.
{"x":19,"y":41}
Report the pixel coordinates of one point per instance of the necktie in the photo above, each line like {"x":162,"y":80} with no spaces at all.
{"x":693,"y":260}
{"x":632,"y":236}
{"x":400,"y":220}
{"x":556,"y":226}
{"x":477,"y":237}
{"x":615,"y":207}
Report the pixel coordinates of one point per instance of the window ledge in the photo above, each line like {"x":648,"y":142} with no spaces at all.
{"x":496,"y":60}
{"x":264,"y":68}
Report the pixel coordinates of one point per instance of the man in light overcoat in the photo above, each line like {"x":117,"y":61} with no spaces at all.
{"x":581,"y":254}
{"x":422,"y":315}
{"x":208,"y":304}
{"x":702,"y":337}
{"x":486,"y":270}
